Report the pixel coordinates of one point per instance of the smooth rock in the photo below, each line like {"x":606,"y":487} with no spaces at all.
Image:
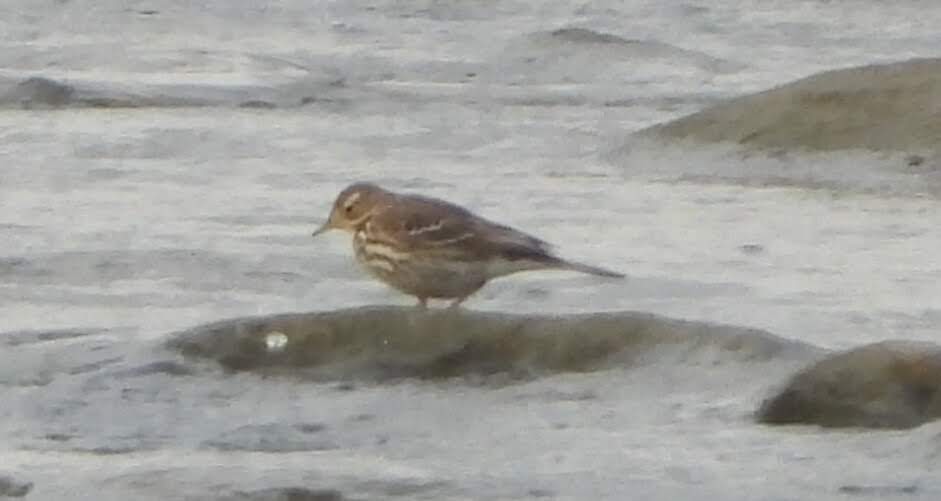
{"x":289,"y":494}
{"x":890,"y":107}
{"x":389,"y":342}
{"x":13,"y":488}
{"x":39,"y":92}
{"x":274,"y":437}
{"x":892,"y":384}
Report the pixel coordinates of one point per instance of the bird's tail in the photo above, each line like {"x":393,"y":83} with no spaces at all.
{"x":586,"y":268}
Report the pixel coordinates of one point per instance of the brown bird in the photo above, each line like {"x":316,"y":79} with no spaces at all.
{"x":429,"y":248}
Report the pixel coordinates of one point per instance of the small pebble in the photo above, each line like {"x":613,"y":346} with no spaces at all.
{"x":914,"y":160}
{"x":752,"y":248}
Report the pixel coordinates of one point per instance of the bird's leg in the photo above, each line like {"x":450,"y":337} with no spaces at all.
{"x":422,"y":303}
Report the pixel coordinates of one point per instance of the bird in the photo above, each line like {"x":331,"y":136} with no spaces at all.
{"x":433,"y":249}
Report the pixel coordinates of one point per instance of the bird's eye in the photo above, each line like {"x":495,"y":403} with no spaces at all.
{"x":349,"y":209}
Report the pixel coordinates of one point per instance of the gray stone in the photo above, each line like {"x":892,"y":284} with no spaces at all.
{"x":40,"y":92}
{"x":890,"y":107}
{"x":892,"y":384}
{"x":388,"y":342}
{"x":289,"y":494}
{"x":13,"y":488}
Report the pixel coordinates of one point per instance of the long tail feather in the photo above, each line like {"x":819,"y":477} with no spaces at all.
{"x":591,"y":270}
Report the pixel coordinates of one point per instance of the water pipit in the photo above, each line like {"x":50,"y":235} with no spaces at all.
{"x":433,"y":249}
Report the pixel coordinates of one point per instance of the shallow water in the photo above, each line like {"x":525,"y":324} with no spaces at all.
{"x":198,"y":146}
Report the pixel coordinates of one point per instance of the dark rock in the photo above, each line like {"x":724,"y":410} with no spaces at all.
{"x":914,"y":160}
{"x":17,"y":338}
{"x":380,"y":343}
{"x":752,"y":248}
{"x":893,"y":384}
{"x":582,"y":35}
{"x":168,"y":367}
{"x":39,"y":92}
{"x":311,"y":427}
{"x":258,"y":104}
{"x":273,"y":437}
{"x":540,"y":493}
{"x":889,"y":107}
{"x":289,"y":494}
{"x":879,"y":490}
{"x":59,"y":437}
{"x":13,"y":488}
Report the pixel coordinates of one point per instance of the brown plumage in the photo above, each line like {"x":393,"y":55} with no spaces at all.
{"x":430,"y":248}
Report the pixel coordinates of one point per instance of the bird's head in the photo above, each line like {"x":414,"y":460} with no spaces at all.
{"x":353,"y":207}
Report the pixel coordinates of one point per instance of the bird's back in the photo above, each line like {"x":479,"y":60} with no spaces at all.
{"x":438,"y":225}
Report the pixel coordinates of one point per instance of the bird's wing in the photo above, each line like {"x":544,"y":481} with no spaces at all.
{"x":434,"y":225}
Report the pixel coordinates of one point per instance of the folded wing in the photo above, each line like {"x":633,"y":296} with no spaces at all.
{"x":432,"y":225}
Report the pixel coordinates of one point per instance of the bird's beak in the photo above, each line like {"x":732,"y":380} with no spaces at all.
{"x":326,"y":227}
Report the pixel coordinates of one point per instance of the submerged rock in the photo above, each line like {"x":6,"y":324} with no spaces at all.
{"x":39,"y":92}
{"x":891,"y":107}
{"x":289,"y":494}
{"x":893,"y":384}
{"x":574,"y":55}
{"x":386,"y":342}
{"x":13,"y":488}
{"x":273,"y":437}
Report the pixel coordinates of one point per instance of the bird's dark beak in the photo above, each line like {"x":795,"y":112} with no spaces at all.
{"x":325,"y":228}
